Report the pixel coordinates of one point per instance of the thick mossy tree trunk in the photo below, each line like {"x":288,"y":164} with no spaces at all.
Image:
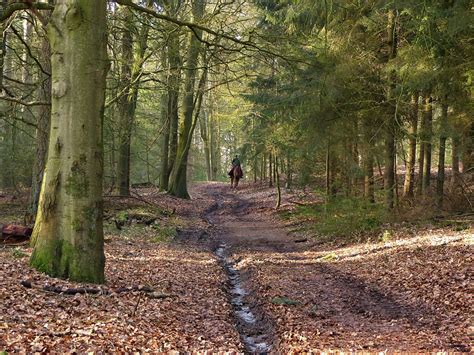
{"x":408,"y":188}
{"x":178,"y":177}
{"x":68,"y":235}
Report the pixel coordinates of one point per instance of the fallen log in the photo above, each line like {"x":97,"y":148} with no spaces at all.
{"x":149,"y":291}
{"x":14,"y":230}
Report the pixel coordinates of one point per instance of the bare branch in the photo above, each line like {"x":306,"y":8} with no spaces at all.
{"x":10,"y":9}
{"x":24,"y":103}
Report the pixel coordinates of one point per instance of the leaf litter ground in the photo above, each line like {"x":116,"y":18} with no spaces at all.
{"x":407,"y":294}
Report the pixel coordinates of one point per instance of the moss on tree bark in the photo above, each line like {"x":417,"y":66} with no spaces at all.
{"x":68,"y":235}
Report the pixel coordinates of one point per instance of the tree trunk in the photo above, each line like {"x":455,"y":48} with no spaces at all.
{"x":174,"y":68}
{"x":442,"y":153}
{"x":421,"y":153}
{"x":165,"y":136}
{"x":214,"y":141}
{"x":3,"y":52}
{"x":132,"y":63}
{"x":390,"y":148}
{"x":467,"y":157}
{"x":455,"y":142}
{"x":368,"y":164}
{"x":178,"y":178}
{"x":277,"y":182}
{"x":204,"y":130}
{"x":125,"y":106}
{"x":408,"y":188}
{"x":428,"y":113}
{"x":270,"y":170}
{"x":68,"y":236}
{"x":43,"y":127}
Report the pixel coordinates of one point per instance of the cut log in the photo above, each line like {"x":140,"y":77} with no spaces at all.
{"x":14,"y":230}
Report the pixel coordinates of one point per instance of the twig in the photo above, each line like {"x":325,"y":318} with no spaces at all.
{"x":149,"y":291}
{"x":136,"y":306}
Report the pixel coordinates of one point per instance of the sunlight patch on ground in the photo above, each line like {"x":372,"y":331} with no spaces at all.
{"x":362,"y":251}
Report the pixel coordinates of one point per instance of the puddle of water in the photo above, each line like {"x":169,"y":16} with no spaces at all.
{"x":253,"y":343}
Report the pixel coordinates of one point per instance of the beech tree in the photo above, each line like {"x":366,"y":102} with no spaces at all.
{"x":68,"y":235}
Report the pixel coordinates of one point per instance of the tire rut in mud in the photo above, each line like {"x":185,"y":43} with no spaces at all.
{"x":251,"y":322}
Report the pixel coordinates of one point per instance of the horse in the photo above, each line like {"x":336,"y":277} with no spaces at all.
{"x":235,"y":174}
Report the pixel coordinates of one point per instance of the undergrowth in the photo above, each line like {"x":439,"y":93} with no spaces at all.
{"x":342,"y":217}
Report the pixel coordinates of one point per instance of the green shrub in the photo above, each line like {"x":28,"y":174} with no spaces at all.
{"x":343,"y":217}
{"x":164,"y":233}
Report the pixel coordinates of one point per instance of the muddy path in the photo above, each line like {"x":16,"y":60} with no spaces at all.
{"x":236,"y":227}
{"x":284,"y":301}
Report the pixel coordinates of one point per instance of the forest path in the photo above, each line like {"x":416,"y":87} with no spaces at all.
{"x":241,"y":223}
{"x":297,"y":302}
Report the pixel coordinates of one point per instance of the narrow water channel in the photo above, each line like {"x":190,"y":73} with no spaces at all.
{"x":253,"y":337}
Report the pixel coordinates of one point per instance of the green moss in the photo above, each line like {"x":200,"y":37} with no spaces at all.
{"x":284,"y":301}
{"x":74,"y":17}
{"x":18,"y":253}
{"x":45,"y":256}
{"x":122,"y":216}
{"x":341,"y":218}
{"x":77,"y":224}
{"x":77,"y":183}
{"x":164,"y":234}
{"x":61,"y":259}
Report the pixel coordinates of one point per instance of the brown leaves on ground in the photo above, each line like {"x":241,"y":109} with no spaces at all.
{"x":410,"y":294}
{"x":197,"y":316}
{"x":400,"y":299}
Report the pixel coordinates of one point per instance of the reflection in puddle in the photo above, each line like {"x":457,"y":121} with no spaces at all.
{"x":253,"y":343}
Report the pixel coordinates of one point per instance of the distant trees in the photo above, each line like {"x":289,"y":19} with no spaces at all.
{"x":375,"y":90}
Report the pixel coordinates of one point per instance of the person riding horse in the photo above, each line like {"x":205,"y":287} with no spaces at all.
{"x":235,"y":173}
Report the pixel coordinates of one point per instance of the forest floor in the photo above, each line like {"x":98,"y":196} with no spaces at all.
{"x":226,"y":272}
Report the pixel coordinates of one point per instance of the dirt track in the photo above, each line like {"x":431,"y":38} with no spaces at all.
{"x":303,"y":304}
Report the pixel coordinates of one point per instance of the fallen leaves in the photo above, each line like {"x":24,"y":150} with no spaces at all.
{"x":186,"y":309}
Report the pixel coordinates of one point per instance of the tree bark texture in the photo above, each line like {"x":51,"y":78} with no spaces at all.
{"x":368,"y":161}
{"x":178,"y":178}
{"x":132,"y":63}
{"x":174,"y":80}
{"x":442,"y":153}
{"x":68,"y":235}
{"x":428,"y":117}
{"x":408,"y":188}
{"x":43,"y":126}
{"x":390,"y":148}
